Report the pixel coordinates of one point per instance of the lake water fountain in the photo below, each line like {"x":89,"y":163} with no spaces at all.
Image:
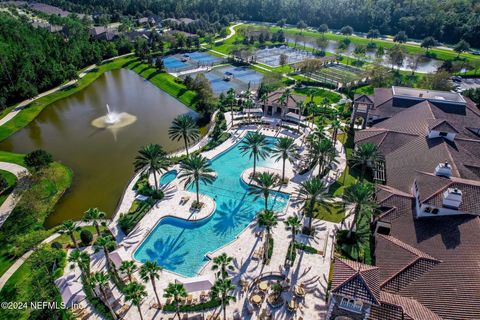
{"x":114,"y":120}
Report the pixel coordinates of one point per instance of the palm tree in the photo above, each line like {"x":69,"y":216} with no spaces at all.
{"x":94,"y":215}
{"x":265,"y":182}
{"x":82,"y":260}
{"x":285,"y":149}
{"x":101,"y":280}
{"x":184,"y":127}
{"x":150,"y":270}
{"x":264,"y":99}
{"x":105,"y":243}
{"x":248,"y":106}
{"x":319,"y":151}
{"x":222,"y":289}
{"x":256,"y":145}
{"x":151,"y":159}
{"x":287,"y":94}
{"x":135,"y":292}
{"x":230,"y":100}
{"x":196,"y":169}
{"x":69,"y":227}
{"x":223,"y":263}
{"x":365,"y":155}
{"x":175,"y":291}
{"x":128,"y":268}
{"x":361,"y":196}
{"x":268,"y":220}
{"x":292,"y":224}
{"x":336,"y":125}
{"x":310,"y":191}
{"x":301,"y":107}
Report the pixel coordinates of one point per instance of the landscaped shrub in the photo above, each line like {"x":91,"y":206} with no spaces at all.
{"x":38,"y":159}
{"x":95,"y":302}
{"x":86,"y":237}
{"x":211,"y":304}
{"x":137,"y":211}
{"x":270,"y":248}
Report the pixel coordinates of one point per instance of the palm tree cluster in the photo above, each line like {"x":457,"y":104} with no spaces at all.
{"x":256,"y":146}
{"x":151,"y":159}
{"x":184,"y":128}
{"x":223,"y":287}
{"x":196,"y":169}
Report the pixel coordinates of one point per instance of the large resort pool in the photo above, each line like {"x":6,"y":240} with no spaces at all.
{"x":181,"y":246}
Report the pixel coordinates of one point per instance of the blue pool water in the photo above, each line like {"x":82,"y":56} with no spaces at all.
{"x":180,"y":246}
{"x":168,"y":177}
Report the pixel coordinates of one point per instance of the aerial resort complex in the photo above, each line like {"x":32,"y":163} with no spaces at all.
{"x":239,"y":160}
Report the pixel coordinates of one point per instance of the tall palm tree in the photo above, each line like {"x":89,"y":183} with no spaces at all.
{"x":222,"y":289}
{"x":256,"y":145}
{"x":230,"y":101}
{"x":82,"y":260}
{"x":311,"y":191}
{"x":101,"y":280}
{"x":268,"y":220}
{"x":285,"y":149}
{"x":184,"y":127}
{"x":265,"y":182}
{"x":292,"y":224}
{"x":336,"y":125}
{"x":105,"y":243}
{"x":196,"y":169}
{"x":286,"y":95}
{"x":361,"y":196}
{"x":264,"y":99}
{"x":151,"y":159}
{"x":222,"y":263}
{"x":319,"y":150}
{"x":150,"y":270}
{"x":128,"y":268}
{"x":135,"y":292}
{"x":69,"y":227}
{"x":94,"y":215}
{"x":301,"y":107}
{"x":365,"y":155}
{"x":175,"y":291}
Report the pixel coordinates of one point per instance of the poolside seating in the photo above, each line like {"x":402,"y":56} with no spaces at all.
{"x":258,"y":254}
{"x":184,"y":200}
{"x":169,"y":301}
{"x":292,"y":305}
{"x":189,"y":298}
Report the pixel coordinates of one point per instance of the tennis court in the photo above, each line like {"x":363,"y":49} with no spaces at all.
{"x":271,"y":56}
{"x":187,"y":61}
{"x":239,"y":78}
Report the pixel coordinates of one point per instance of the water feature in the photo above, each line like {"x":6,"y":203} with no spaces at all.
{"x":425,"y":64}
{"x":101,"y":157}
{"x":114,"y":120}
{"x":181,"y":246}
{"x":168,"y":177}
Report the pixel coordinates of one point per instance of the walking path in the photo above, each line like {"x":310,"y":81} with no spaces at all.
{"x":12,"y":199}
{"x":232,"y":32}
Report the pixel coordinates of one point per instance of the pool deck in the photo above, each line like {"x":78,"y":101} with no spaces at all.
{"x":311,"y":270}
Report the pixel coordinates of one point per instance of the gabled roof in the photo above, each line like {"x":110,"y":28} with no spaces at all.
{"x":363,"y":98}
{"x":291,"y":101}
{"x":410,"y":307}
{"x":443,"y":126}
{"x":357,"y":280}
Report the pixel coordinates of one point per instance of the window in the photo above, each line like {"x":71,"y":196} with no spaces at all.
{"x":351,"y":305}
{"x":443,"y":134}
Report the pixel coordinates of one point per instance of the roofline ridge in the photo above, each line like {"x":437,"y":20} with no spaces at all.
{"x":408,"y":247}
{"x":407,"y":266}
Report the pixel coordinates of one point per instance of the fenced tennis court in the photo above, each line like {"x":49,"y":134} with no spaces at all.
{"x":271,"y":56}
{"x":188,"y":61}
{"x":337,"y":74}
{"x":239,"y":78}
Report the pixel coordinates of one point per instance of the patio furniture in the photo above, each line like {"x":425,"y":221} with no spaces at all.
{"x":292,"y":305}
{"x":189,"y":298}
{"x":263,"y":286}
{"x":256,"y":299}
{"x":299,"y":291}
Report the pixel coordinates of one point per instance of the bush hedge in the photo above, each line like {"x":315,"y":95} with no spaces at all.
{"x":86,"y":236}
{"x":211,"y":304}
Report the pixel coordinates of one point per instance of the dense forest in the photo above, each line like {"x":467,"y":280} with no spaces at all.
{"x":446,"y":20}
{"x":35,"y":60}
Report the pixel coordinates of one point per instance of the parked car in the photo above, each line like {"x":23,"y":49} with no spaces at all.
{"x":477,"y":53}
{"x":456,"y":79}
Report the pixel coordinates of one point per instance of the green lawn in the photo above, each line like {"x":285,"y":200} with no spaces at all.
{"x":320,"y":94}
{"x":11,"y":180}
{"x":16,"y":158}
{"x":65,"y":239}
{"x":334,"y":212}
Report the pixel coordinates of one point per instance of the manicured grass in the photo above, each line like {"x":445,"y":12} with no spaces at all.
{"x":334,"y":212}
{"x":11,"y":180}
{"x":320,"y":95}
{"x":364,"y":90}
{"x":166,"y":82}
{"x":66,"y":240}
{"x":11,"y":157}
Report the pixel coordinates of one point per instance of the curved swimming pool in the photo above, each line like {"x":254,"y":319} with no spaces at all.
{"x":168,"y":177}
{"x":180,"y":246}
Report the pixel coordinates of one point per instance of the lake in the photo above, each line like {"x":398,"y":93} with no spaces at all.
{"x":101,"y":159}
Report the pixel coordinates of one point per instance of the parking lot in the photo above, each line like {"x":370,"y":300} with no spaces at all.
{"x":462,"y":84}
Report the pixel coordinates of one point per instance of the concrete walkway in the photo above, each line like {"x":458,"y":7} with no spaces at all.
{"x":12,"y":199}
{"x":14,"y":267}
{"x":232,"y":32}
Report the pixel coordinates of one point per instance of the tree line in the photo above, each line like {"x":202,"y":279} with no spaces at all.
{"x":448,"y":21}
